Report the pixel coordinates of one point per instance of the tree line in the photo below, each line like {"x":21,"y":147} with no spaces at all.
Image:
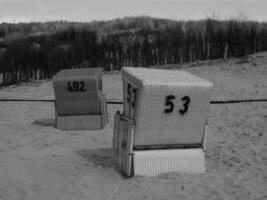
{"x":28,"y":55}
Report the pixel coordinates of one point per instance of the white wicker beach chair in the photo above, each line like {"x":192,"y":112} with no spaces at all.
{"x":169,"y":111}
{"x":79,"y":102}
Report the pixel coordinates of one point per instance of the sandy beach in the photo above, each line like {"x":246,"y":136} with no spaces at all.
{"x":39,"y":162}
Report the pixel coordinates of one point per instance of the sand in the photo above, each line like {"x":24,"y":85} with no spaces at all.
{"x":38,"y":161}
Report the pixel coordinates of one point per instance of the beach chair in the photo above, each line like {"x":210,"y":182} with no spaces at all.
{"x":163,"y":125}
{"x":79,"y":101}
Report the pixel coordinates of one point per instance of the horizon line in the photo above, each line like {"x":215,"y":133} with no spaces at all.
{"x":235,"y":18}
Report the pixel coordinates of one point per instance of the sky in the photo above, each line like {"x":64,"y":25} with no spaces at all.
{"x":15,"y":11}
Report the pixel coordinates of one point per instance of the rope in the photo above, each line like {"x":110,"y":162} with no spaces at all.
{"x":230,"y":101}
{"x":112,"y":101}
{"x":29,"y":100}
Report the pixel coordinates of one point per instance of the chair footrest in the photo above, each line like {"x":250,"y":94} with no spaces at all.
{"x":80,"y":122}
{"x":155,"y":162}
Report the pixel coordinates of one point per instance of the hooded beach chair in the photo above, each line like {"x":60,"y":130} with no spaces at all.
{"x":163,"y":125}
{"x":79,"y":101}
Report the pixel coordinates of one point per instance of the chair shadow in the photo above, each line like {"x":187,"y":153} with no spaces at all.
{"x":100,"y":157}
{"x":45,"y":122}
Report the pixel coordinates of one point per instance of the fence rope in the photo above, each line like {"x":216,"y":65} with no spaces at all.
{"x":118,"y":102}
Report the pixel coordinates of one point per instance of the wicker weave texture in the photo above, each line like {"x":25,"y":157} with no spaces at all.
{"x":80,"y":122}
{"x":153,"y":125}
{"x":155,"y":162}
{"x":144,"y":76}
{"x":130,"y":95}
{"x":73,"y":103}
{"x":78,"y":73}
{"x":126,"y":104}
{"x":84,"y":97}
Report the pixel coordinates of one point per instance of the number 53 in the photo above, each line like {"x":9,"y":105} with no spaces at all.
{"x":170,"y":105}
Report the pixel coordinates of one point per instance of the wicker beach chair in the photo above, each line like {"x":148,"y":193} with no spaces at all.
{"x":164,"y":118}
{"x":79,"y":102}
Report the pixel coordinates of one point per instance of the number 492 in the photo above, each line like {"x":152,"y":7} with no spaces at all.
{"x":76,"y":86}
